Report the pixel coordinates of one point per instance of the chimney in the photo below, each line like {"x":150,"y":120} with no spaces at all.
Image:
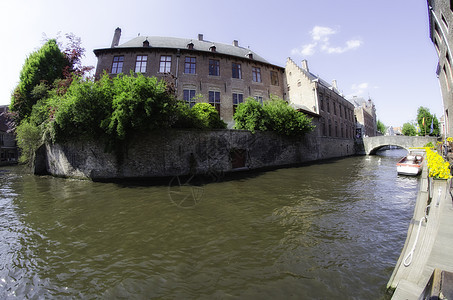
{"x":334,"y":84}
{"x":200,"y":36}
{"x":235,"y":43}
{"x":305,"y":65}
{"x":116,"y":37}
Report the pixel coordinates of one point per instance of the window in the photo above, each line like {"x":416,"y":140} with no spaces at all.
{"x":165,"y":64}
{"x":328,"y":105}
{"x":330,"y":127}
{"x":321,"y":100}
{"x":446,"y":77}
{"x":117,"y":66}
{"x":140,"y":63}
{"x":189,"y":66}
{"x":259,"y":99}
{"x":189,"y":96}
{"x":237,"y":99}
{"x":214,"y":67}
{"x":214,"y":100}
{"x":447,"y":57}
{"x":256,"y":74}
{"x":274,"y":77}
{"x":334,"y":108}
{"x":444,"y":21}
{"x":236,"y":68}
{"x":336,"y":128}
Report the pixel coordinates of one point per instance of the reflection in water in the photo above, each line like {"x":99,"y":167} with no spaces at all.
{"x":331,"y":230}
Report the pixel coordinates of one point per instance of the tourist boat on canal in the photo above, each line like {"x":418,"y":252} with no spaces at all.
{"x":410,"y":165}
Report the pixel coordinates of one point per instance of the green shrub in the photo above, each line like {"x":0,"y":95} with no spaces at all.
{"x":285,"y":120}
{"x":206,"y":117}
{"x":250,"y":115}
{"x":28,"y":138}
{"x":139,"y":104}
{"x":275,"y":115}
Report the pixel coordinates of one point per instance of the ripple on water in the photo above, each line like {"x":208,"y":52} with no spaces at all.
{"x":318,"y":231}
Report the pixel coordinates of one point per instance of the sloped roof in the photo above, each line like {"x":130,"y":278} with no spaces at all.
{"x":198,"y":45}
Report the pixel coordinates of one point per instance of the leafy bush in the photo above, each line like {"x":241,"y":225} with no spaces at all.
{"x":275,"y":115}
{"x":251,"y":115}
{"x":42,"y":66}
{"x":29,"y":139}
{"x":139,"y":104}
{"x":285,"y":120}
{"x":205,"y":116}
{"x":82,"y":109}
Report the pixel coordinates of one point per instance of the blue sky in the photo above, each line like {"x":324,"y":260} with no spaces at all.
{"x":378,"y":49}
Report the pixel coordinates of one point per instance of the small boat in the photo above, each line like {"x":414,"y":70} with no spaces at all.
{"x":410,"y":165}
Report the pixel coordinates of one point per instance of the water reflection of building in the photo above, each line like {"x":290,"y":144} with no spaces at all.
{"x":440,"y":30}
{"x":8,"y":147}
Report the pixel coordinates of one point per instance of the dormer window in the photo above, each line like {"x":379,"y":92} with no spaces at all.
{"x":190,"y":46}
{"x":145,"y":43}
{"x":250,"y":55}
{"x":212,"y":48}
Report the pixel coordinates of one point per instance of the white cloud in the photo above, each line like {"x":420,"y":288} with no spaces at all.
{"x":358,"y":89}
{"x":350,"y":45}
{"x":320,"y":36}
{"x":305,"y":50}
{"x":320,"y":33}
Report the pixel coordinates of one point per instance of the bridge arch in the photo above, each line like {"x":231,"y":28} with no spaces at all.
{"x":373,"y":144}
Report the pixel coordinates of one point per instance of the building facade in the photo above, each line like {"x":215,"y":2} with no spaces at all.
{"x":365,"y":114}
{"x":225,"y":75}
{"x":441,"y":33}
{"x":309,"y":93}
{"x":8,"y":146}
{"x":201,"y":71}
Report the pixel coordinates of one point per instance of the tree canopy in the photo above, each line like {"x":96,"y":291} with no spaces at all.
{"x":274,"y":115}
{"x":40,"y":70}
{"x":381,"y":127}
{"x":409,"y":129}
{"x":426,"y":121}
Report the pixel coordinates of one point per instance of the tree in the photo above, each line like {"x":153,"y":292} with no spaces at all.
{"x":425,"y":119}
{"x":42,"y":67}
{"x":250,"y":115}
{"x":409,"y":129}
{"x":275,"y":115}
{"x":381,"y":127}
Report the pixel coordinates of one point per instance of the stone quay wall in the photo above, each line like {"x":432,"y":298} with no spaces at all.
{"x":185,"y":152}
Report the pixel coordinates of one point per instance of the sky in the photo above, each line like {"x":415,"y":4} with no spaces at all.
{"x":374,"y":49}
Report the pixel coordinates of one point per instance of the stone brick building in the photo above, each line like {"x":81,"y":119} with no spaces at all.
{"x":224,"y":75}
{"x":334,"y":115}
{"x":365,"y":114}
{"x":8,"y":147}
{"x":441,"y":34}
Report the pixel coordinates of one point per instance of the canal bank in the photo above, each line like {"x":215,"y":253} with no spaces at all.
{"x":187,"y":152}
{"x":428,"y":243}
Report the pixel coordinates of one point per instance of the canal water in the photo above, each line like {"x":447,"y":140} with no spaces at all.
{"x":332,"y":230}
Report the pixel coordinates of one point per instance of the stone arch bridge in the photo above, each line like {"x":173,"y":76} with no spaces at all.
{"x":373,"y":144}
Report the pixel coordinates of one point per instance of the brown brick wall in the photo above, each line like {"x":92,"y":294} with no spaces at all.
{"x":201,"y":81}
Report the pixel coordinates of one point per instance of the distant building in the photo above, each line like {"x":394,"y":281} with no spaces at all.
{"x":8,"y":147}
{"x":441,"y":34}
{"x":308,"y":92}
{"x":225,"y":75}
{"x":393,"y":131}
{"x":365,"y":113}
